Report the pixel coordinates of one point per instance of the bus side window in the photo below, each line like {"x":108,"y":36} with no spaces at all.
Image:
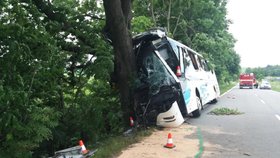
{"x":199,"y":62}
{"x":181,"y":59}
{"x":175,"y":48}
{"x":186,"y":58}
{"x":205,"y":65}
{"x":193,"y":59}
{"x":210,"y":67}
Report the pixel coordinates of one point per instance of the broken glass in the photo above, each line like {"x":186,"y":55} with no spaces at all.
{"x":153,"y":73}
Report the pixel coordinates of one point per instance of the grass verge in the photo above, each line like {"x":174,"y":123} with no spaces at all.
{"x":226,"y":86}
{"x":275,"y":85}
{"x":225,"y":111}
{"x":112,"y":146}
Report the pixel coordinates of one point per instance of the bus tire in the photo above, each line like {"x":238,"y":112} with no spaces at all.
{"x":214,"y":101}
{"x":196,"y":113}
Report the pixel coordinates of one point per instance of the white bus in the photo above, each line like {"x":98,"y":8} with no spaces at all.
{"x":173,"y":80}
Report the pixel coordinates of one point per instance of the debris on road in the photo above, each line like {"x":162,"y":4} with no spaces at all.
{"x":74,"y":152}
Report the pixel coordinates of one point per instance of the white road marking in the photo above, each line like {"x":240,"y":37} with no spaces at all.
{"x":256,"y":95}
{"x":262,"y":101}
{"x":278,"y":117}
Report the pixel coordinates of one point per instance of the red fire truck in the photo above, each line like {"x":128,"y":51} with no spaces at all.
{"x":247,"y":80}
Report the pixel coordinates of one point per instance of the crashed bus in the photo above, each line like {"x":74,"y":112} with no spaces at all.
{"x":173,"y":81}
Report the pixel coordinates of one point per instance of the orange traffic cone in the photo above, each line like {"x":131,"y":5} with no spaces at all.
{"x":178,"y":71}
{"x":131,"y":121}
{"x":84,"y":150}
{"x":169,"y":143}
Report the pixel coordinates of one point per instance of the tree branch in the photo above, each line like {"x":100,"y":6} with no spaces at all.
{"x":168,"y":16}
{"x":177,"y":22}
{"x":152,"y":12}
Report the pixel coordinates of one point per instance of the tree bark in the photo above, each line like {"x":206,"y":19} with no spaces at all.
{"x":168,"y":16}
{"x":118,"y":17}
{"x":152,"y":12}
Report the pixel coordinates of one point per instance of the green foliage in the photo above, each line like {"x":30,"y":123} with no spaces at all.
{"x":113,"y":146}
{"x":261,"y":72}
{"x":224,"y":87}
{"x":30,"y":67}
{"x":92,"y":116}
{"x":141,"y":24}
{"x":225,"y":111}
{"x":55,"y":72}
{"x":275,"y":85}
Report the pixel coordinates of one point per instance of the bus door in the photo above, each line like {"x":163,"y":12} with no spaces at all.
{"x":212,"y":80}
{"x":200,"y":77}
{"x":207,"y":76}
{"x":184,"y":81}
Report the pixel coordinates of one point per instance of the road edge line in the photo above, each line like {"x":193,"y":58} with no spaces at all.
{"x":228,"y":91}
{"x":201,"y":147}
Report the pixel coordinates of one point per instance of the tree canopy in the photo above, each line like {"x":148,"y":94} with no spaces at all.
{"x":262,"y":72}
{"x":55,"y":72}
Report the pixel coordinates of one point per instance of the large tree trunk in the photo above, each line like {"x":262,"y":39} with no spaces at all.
{"x":118,"y":18}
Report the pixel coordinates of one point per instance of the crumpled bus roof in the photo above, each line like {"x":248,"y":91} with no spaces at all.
{"x":151,"y":35}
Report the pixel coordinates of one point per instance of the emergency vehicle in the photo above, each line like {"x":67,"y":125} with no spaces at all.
{"x":247,"y":80}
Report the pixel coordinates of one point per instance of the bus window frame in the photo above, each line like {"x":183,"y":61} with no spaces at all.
{"x":192,"y":55}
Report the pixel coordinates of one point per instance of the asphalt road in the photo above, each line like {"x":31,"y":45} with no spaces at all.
{"x":255,"y":133}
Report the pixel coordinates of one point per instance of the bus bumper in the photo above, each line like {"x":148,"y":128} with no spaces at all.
{"x":170,"y":118}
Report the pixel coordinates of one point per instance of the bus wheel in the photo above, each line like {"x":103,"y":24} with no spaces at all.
{"x":214,"y":101}
{"x":197,"y":112}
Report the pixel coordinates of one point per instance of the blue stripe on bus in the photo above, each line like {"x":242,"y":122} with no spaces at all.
{"x":187,"y":96}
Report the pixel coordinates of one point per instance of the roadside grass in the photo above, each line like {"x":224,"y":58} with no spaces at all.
{"x":225,"y":111}
{"x":275,"y":85}
{"x":227,"y":86}
{"x":111,"y":147}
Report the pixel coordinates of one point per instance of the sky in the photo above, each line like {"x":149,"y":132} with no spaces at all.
{"x":256,"y":27}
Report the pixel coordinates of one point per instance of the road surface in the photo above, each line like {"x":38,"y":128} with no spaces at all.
{"x":256,"y":133}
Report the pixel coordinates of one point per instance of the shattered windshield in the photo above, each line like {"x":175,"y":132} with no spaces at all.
{"x":151,"y":72}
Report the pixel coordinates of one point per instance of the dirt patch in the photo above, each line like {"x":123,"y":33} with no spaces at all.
{"x":187,"y":145}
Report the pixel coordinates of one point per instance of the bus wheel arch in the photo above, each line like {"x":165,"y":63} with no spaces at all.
{"x":215,"y":100}
{"x":196,"y":113}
